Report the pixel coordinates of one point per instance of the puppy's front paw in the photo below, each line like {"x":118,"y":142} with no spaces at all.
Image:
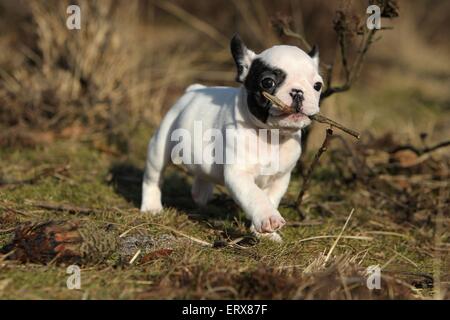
{"x":273,"y":236}
{"x":269,"y":223}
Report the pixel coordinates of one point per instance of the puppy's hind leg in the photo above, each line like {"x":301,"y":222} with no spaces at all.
{"x":202,"y":191}
{"x":157,"y":158}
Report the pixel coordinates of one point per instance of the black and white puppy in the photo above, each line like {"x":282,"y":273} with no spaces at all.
{"x":260,"y":177}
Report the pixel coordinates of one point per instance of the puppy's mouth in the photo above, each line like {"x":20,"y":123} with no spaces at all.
{"x":280,"y":109}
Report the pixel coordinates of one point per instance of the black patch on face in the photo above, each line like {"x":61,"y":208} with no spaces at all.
{"x":259,"y":70}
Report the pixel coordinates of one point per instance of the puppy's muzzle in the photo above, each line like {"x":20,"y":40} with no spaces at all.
{"x":297,"y":99}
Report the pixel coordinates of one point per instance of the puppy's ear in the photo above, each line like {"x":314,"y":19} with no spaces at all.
{"x":314,"y":54}
{"x":242,"y":56}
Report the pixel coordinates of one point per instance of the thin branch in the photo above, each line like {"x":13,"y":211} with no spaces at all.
{"x":63,"y":207}
{"x":423,"y":150}
{"x":22,"y":213}
{"x":350,"y":73}
{"x":343,"y":29}
{"x":288,"y":32}
{"x":48,"y":172}
{"x":307,"y":178}
{"x":437,"y":146}
{"x":6,"y":231}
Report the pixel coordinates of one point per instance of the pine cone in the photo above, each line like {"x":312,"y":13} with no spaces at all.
{"x":72,"y":241}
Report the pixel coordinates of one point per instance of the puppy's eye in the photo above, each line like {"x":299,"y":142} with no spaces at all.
{"x":267,"y":83}
{"x":317,"y":86}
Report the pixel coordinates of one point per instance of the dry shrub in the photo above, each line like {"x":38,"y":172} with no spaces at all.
{"x":76,"y":78}
{"x":403,"y":181}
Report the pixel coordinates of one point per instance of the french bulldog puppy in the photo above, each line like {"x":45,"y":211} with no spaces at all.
{"x":259,"y":178}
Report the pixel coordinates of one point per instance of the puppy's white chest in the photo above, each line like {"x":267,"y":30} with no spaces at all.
{"x":281,"y":162}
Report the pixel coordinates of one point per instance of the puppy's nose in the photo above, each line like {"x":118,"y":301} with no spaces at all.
{"x":296,"y":92}
{"x":297,"y":98}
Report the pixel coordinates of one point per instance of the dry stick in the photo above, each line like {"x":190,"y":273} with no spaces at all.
{"x":45,"y":173}
{"x":317,"y":117}
{"x":22,"y":213}
{"x":423,"y":151}
{"x":6,"y":231}
{"x":322,"y":119}
{"x":288,"y":32}
{"x":307,"y":178}
{"x":63,"y":207}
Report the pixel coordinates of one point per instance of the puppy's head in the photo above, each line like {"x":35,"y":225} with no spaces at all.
{"x":284,"y":71}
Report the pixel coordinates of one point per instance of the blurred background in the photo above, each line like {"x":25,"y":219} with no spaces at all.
{"x":113,"y":79}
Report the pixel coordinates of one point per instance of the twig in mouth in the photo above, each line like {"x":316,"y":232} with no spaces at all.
{"x":307,"y":178}
{"x":278,"y":103}
{"x":322,"y":119}
{"x":317,"y":117}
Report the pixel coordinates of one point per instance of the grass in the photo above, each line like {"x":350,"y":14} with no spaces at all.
{"x":112,"y":185}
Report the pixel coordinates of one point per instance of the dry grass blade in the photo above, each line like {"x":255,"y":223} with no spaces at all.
{"x":405,"y":258}
{"x":389,"y":261}
{"x":202,"y":242}
{"x":136,"y":255}
{"x":123,"y":234}
{"x":199,"y":241}
{"x":340,"y":236}
{"x":388,"y":233}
